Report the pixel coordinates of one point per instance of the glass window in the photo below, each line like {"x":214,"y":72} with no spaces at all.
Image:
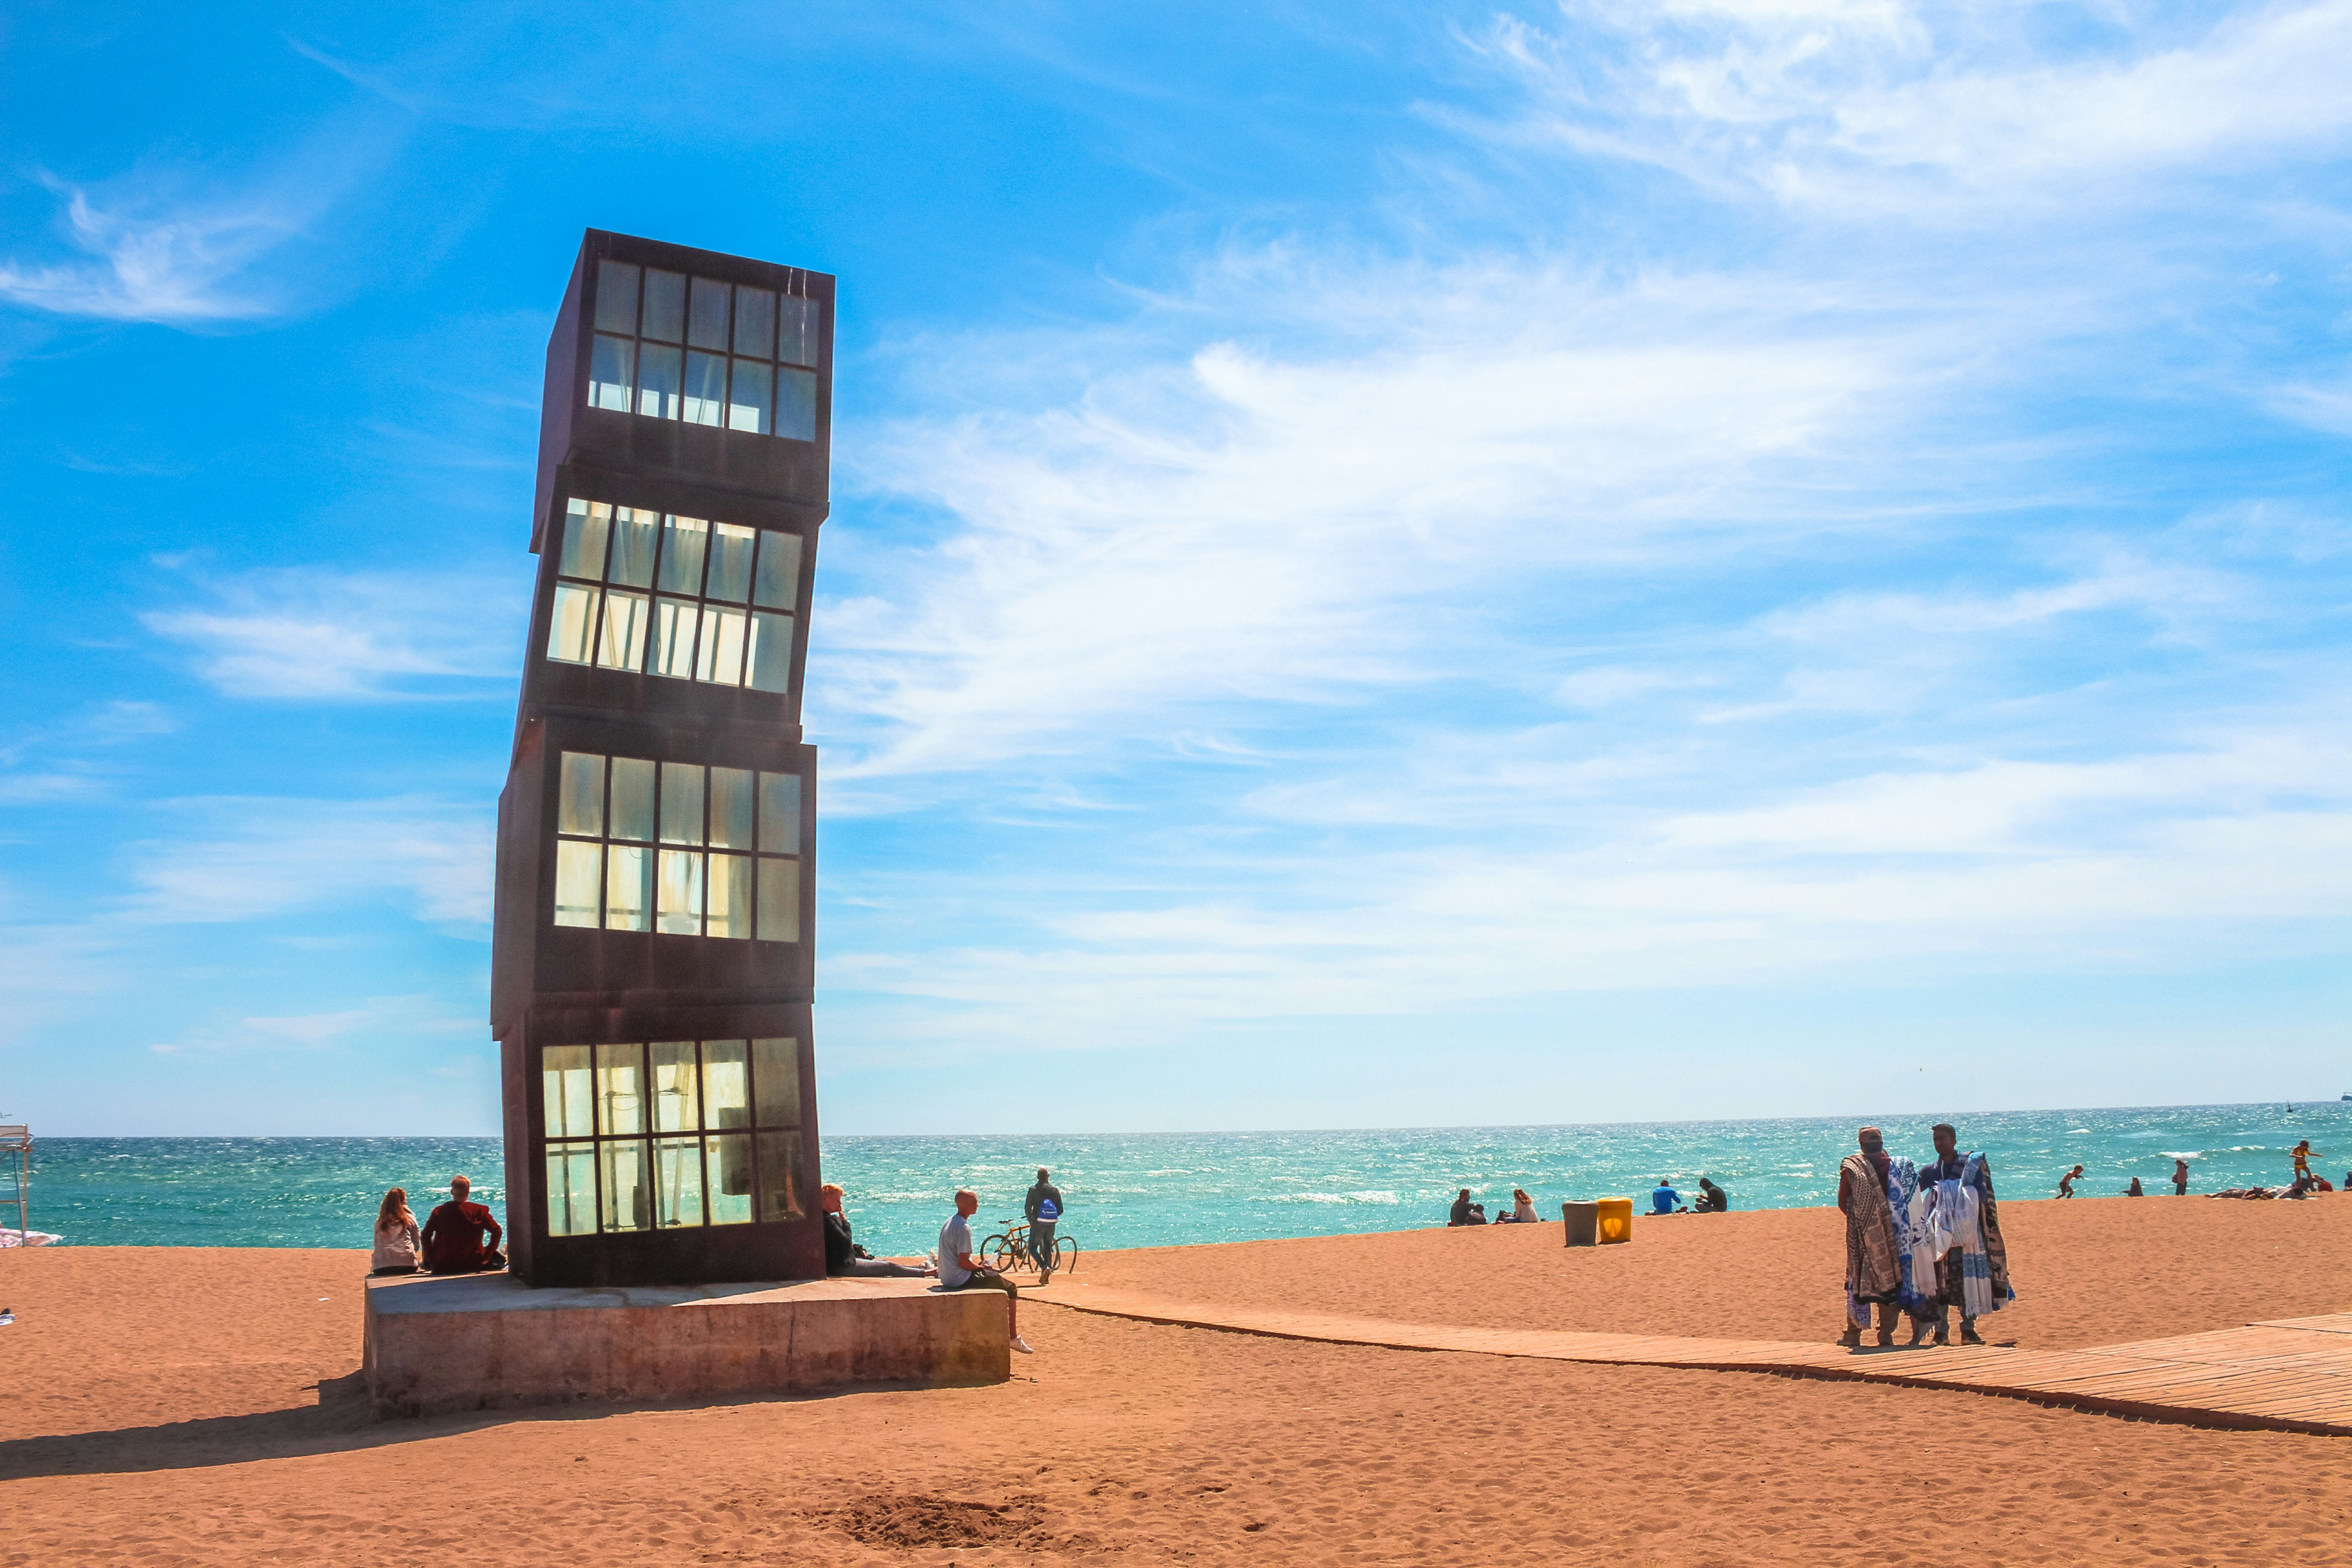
{"x":706,"y":388}
{"x":628,"y":1194}
{"x":796,"y":403}
{"x":776,"y":1080}
{"x":755,"y":323}
{"x":567,"y":1099}
{"x":659,"y":380}
{"x":779,"y":814}
{"x":705,"y":326}
{"x":729,"y":1158}
{"x":633,"y":798}
{"x":796,"y":327}
{"x":681,"y":803}
{"x":730,"y":562}
{"x":584,"y":526}
{"x":679,"y":911}
{"x":607,"y":809}
{"x":579,"y":794}
{"x":620,"y":1089}
{"x":665,"y":305}
{"x":730,"y":898}
{"x":780,"y":1176}
{"x":617,"y":297}
{"x":770,"y":652}
{"x":750,"y":397}
{"x":684,"y":542}
{"x":677,"y":1079}
{"x":780,"y":899}
{"x":571,"y":1189}
{"x":726,"y":1087}
{"x":628,"y":876}
{"x":621,"y":641}
{"x":730,"y":808}
{"x":678,"y":1182}
{"x":721,"y":647}
{"x":578,"y":868}
{"x":635,"y":534}
{"x":777,"y":585}
{"x":674,"y":624}
{"x":574,"y":620}
{"x":610,"y":361}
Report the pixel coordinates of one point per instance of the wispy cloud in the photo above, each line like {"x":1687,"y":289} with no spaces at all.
{"x":178,"y":265}
{"x":250,"y":859}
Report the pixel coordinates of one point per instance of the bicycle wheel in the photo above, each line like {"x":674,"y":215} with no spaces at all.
{"x":1066,"y":1254}
{"x":996,"y":1252}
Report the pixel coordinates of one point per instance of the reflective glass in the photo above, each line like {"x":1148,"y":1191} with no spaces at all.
{"x":620,"y":1089}
{"x":579,"y":794}
{"x":730,"y":898}
{"x":617,"y":297}
{"x":796,"y":403}
{"x":676,"y":1085}
{"x":777,"y":586}
{"x":772,"y":653}
{"x":627,"y":870}
{"x":730,"y":1178}
{"x":750,"y":397}
{"x":796,"y":331}
{"x":755,"y":321}
{"x":658,"y":373}
{"x":779,"y":814}
{"x":567,"y":1099}
{"x":632,"y":799}
{"x":679,"y":911}
{"x":720,"y":658}
{"x":706,"y":388}
{"x":665,"y":305}
{"x":681,"y":803}
{"x":609,"y":363}
{"x":578,"y":868}
{"x":674,"y":622}
{"x":620,"y":639}
{"x":678,"y":1182}
{"x":705,"y":326}
{"x":776,"y":1080}
{"x":584,"y":526}
{"x":780,"y":1176}
{"x":730,"y":808}
{"x":730,"y":563}
{"x":780,"y":899}
{"x":628,"y":1193}
{"x":684,"y":540}
{"x":571,"y":1189}
{"x":635,"y":534}
{"x":568,"y":628}
{"x":726,"y":1089}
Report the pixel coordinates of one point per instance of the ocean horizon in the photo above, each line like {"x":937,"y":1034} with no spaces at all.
{"x":1175,"y":1188}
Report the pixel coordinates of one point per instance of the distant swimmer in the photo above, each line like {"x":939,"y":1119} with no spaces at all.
{"x":2066,"y":1182}
{"x":2180,"y":1178}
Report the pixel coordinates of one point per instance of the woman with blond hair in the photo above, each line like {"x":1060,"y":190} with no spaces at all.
{"x":396,"y":1243}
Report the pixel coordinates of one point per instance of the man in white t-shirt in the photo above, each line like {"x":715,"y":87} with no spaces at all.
{"x":959,"y":1270}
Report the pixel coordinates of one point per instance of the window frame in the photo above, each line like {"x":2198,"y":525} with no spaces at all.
{"x":773,"y":366}
{"x":754,"y":856}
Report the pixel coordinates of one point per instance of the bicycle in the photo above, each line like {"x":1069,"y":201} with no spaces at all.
{"x":1009,"y":1249}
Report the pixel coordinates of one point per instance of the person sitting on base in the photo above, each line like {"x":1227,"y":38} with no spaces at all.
{"x":1664,"y":1199}
{"x":396,"y":1241}
{"x":454,"y":1240}
{"x":844,"y":1257}
{"x":1712,"y":1199}
{"x":959,"y":1270}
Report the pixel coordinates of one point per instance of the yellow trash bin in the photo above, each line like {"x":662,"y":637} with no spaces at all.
{"x":1615,"y":1220}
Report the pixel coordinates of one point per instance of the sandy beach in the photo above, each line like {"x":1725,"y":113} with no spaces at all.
{"x":201,"y":1407}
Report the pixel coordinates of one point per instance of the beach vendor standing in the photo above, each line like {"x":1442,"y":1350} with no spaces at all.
{"x":1962,"y":1227}
{"x":1874,"y":1193}
{"x":1043,"y":1208}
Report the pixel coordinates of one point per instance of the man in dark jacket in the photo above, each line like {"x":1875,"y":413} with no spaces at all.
{"x":454,"y":1235}
{"x":843,"y":1256}
{"x":1042,"y":1209}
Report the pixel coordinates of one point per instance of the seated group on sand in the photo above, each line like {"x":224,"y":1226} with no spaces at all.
{"x":460,"y":1236}
{"x":1664,"y":1199}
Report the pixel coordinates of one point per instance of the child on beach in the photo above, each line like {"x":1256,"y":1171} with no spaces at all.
{"x":2066,"y":1182}
{"x":396,"y":1241}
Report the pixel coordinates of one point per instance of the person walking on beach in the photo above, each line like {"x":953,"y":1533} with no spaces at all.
{"x":959,"y":1270}
{"x":1873,"y":1185}
{"x":1963,"y":1233}
{"x":2180,"y":1178}
{"x":397,"y":1245}
{"x":454,"y":1235}
{"x":2066,"y":1182}
{"x":1044,"y":1208}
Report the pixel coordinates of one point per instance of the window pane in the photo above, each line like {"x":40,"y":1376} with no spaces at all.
{"x":730,"y":808}
{"x":678,"y":1182}
{"x":677,"y":1081}
{"x":566,"y":1098}
{"x":706,"y":388}
{"x":730,"y":563}
{"x":730,"y":1178}
{"x":684,"y":540}
{"x":665,"y":305}
{"x":755,"y":321}
{"x":571,"y":1189}
{"x":779,"y":814}
{"x":750,"y":397}
{"x":796,"y":403}
{"x":796,"y":331}
{"x":726,"y":1089}
{"x":730,"y":898}
{"x":681,"y":803}
{"x":617,"y":297}
{"x":771,"y":652}
{"x":628,"y":1194}
{"x":674,"y":622}
{"x":579,"y":795}
{"x":706,"y":327}
{"x":627,"y":871}
{"x":778,"y":584}
{"x":657,"y":381}
{"x":620,"y":1089}
{"x":578,"y":868}
{"x":585,"y":525}
{"x":780,"y":1176}
{"x":574,"y":619}
{"x":621,"y":641}
{"x":636,"y":532}
{"x":720,"y":658}
{"x":776,"y":1082}
{"x":608,"y":372}
{"x":633,"y":798}
{"x":780,"y":899}
{"x":679,"y":912}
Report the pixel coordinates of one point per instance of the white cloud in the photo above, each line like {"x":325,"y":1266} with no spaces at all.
{"x":178,"y":265}
{"x":300,"y":633}
{"x":246,"y":860}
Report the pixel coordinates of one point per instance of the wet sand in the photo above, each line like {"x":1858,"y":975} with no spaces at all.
{"x":169,"y":1406}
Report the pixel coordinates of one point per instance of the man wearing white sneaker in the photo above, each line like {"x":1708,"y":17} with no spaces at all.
{"x":959,"y":1270}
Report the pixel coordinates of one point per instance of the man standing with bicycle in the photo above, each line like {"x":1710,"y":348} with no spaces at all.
{"x":1044,"y":1210}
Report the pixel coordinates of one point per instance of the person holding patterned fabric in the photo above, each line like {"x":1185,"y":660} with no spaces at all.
{"x":1962,"y":1226}
{"x":1874,"y":1193}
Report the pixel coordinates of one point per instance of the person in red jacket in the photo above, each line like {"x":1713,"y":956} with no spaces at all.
{"x":454,"y":1240}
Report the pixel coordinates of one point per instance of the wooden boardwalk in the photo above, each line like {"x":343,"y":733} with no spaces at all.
{"x":2292,"y":1375}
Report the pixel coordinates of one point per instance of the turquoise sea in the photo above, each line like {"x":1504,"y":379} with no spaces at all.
{"x":1157,"y":1189}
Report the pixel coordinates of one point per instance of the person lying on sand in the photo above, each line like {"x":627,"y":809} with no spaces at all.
{"x":454,"y":1235}
{"x":843,"y":1259}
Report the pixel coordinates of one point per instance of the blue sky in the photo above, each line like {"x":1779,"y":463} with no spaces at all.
{"x":1404,"y":565}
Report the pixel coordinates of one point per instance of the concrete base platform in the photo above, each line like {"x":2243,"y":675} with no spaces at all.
{"x":487,"y":1342}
